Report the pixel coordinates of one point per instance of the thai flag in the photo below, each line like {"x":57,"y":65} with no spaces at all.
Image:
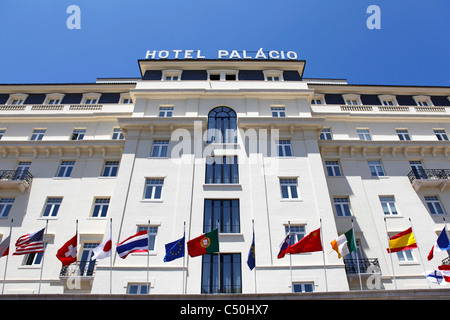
{"x":138,"y":242}
{"x":442,"y":244}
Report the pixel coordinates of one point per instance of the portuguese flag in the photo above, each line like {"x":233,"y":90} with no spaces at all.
{"x":204,"y":244}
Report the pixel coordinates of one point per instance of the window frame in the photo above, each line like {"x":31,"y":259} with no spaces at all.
{"x":333,"y":168}
{"x":117,"y":134}
{"x":278,"y":111}
{"x":78,"y":134}
{"x":152,"y":233}
{"x":442,"y":135}
{"x":290,"y":184}
{"x":284,"y":148}
{"x":342,"y":206}
{"x":165,"y":111}
{"x":229,"y":264}
{"x":65,"y":169}
{"x":160,"y":148}
{"x":218,"y":167}
{"x":389,"y":206}
{"x":226,"y":211}
{"x":297,"y":232}
{"x":157,"y":188}
{"x":377,"y":165}
{"x":434,"y":205}
{"x":325,"y":135}
{"x":38,"y":136}
{"x":403,"y":134}
{"x":110,"y":168}
{"x":100,"y":207}
{"x":364,"y":134}
{"x":51,"y":207}
{"x":6,"y":204}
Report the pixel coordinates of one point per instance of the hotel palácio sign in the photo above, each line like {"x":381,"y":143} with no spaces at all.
{"x":223,"y":54}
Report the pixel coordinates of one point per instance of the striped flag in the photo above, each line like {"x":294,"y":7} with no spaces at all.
{"x":4,"y":247}
{"x":135,"y":243}
{"x":30,"y":243}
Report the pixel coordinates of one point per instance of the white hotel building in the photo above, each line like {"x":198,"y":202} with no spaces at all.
{"x":289,"y":152}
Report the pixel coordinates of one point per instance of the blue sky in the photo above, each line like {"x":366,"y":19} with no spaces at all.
{"x":411,"y":48}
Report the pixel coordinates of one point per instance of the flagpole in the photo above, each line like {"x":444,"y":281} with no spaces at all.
{"x":110,"y":259}
{"x":445,"y":229}
{"x":148,"y":256}
{"x":218,"y":261}
{"x":43,"y":254}
{"x":7,"y":256}
{"x":254,"y":248}
{"x":290,"y":255}
{"x":323,"y":255}
{"x":184,"y":271}
{"x":420,"y":255}
{"x":357,"y":259}
{"x":390,"y":254}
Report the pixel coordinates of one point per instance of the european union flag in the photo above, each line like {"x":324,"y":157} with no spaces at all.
{"x":174,"y":250}
{"x":251,"y":254}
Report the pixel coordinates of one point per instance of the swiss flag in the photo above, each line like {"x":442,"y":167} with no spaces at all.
{"x":67,"y":254}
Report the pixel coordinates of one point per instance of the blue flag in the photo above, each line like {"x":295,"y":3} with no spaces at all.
{"x":174,"y":250}
{"x":251,"y":254}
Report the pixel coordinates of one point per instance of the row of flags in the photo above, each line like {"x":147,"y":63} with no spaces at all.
{"x":209,"y":243}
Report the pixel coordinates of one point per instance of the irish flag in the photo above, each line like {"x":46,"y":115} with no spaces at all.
{"x":344,"y":244}
{"x":204,"y":244}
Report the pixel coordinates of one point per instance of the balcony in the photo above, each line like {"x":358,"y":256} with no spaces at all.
{"x":84,"y":269}
{"x":446,"y":261}
{"x":366,"y":266}
{"x":15,"y":179}
{"x":429,"y":178}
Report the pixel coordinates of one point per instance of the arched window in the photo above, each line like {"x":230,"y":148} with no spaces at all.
{"x":222,"y":125}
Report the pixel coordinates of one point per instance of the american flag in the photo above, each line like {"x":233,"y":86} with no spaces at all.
{"x":30,"y":243}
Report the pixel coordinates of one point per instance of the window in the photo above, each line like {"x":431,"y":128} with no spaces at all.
{"x":229,"y":271}
{"x":37,"y":135}
{"x":403,"y":134}
{"x":273,"y":75}
{"x":222,"y":125}
{"x":117,"y":134}
{"x":434,"y":205}
{"x":90,"y":101}
{"x":160,"y":148}
{"x":87,"y":265}
{"x":284,"y":148}
{"x":222,"y":75}
{"x":110,"y":169}
{"x":53,"y":98}
{"x":342,"y":206}
{"x":16,"y":101}
{"x":317,"y":99}
{"x":325,"y":134}
{"x":418,"y":169}
{"x":222,"y":170}
{"x":388,"y":100}
{"x":5,"y":206}
{"x":171,"y":75}
{"x":405,"y":256}
{"x":153,"y":188}
{"x":376,"y":169}
{"x":364,"y":134}
{"x":278,"y":112}
{"x":53,"y":101}
{"x":423,"y":101}
{"x":22,"y":170}
{"x":100,"y":209}
{"x":225,"y":212}
{"x":297,"y":233}
{"x":441,"y":134}
{"x":388,"y":205}
{"x":152,"y":233}
{"x":289,"y":188}
{"x":125,"y":99}
{"x":52,"y":207}
{"x":78,"y":134}
{"x":352,"y":99}
{"x":138,"y":288}
{"x":2,"y":132}
{"x":165,"y":112}
{"x":273,"y":78}
{"x":33,"y":259}
{"x":333,"y":168}
{"x":65,"y":170}
{"x":303,"y":287}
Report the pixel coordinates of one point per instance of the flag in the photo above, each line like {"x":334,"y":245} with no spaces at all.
{"x":402,"y":241}
{"x":442,"y":244}
{"x":4,"y":247}
{"x":251,"y":262}
{"x":137,"y":242}
{"x":67,"y":254}
{"x":204,"y":244}
{"x":284,"y":246}
{"x":445,"y":269}
{"x":435,"y":276}
{"x":309,"y":243}
{"x":174,"y":250}
{"x":30,"y":243}
{"x":344,"y":244}
{"x":103,"y":250}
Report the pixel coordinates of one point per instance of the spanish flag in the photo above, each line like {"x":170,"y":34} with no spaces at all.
{"x":402,"y":241}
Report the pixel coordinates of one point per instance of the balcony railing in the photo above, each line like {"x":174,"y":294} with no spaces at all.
{"x":446,"y":261}
{"x":15,"y":179}
{"x":365,"y":265}
{"x":79,"y":269}
{"x":427,"y":174}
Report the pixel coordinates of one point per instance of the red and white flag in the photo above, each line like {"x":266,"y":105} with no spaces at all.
{"x":445,"y":269}
{"x":30,"y":243}
{"x":67,"y":254}
{"x":4,"y":247}
{"x":103,"y":250}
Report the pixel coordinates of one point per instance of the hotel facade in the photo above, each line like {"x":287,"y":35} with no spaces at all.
{"x":248,"y":146}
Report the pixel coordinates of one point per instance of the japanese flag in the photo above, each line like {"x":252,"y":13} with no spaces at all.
{"x":103,"y":250}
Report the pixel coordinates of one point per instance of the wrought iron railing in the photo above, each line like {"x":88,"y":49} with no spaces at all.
{"x":21,"y":175}
{"x":446,"y":261}
{"x":79,"y":269}
{"x":365,"y":265}
{"x":424,"y":174}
